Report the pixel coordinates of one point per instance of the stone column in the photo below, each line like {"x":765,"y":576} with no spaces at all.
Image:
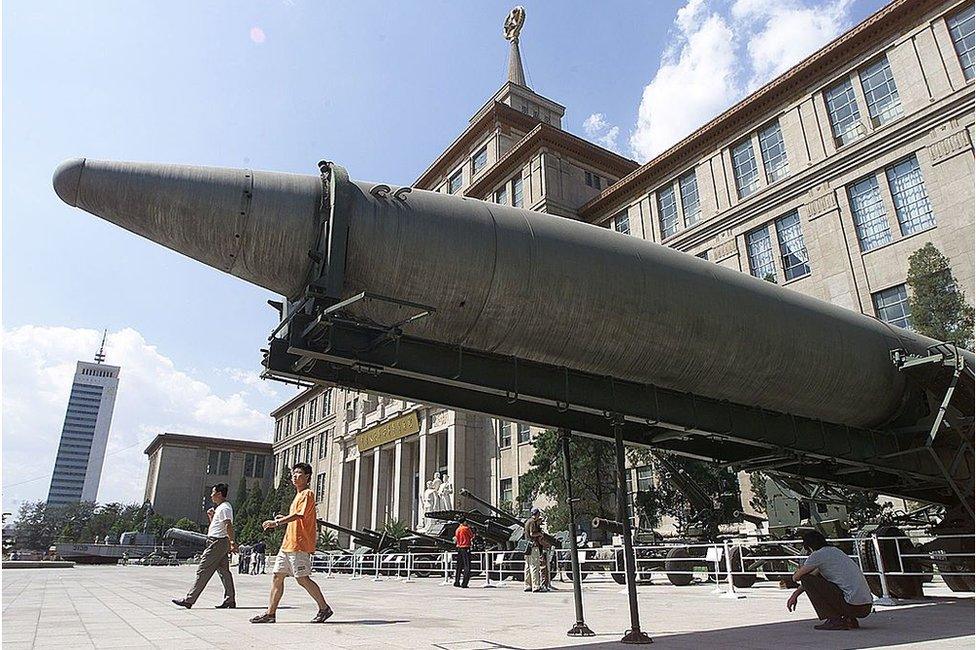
{"x":354,"y":518}
{"x":377,"y":511}
{"x":398,"y":472}
{"x":456,"y":456}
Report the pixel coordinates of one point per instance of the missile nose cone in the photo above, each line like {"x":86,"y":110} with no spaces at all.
{"x":67,"y":178}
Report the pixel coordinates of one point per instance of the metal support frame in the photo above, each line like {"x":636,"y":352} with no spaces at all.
{"x":580,"y":628}
{"x":634,"y":634}
{"x":324,"y":345}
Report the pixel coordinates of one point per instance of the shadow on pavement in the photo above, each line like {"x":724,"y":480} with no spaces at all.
{"x":944,"y":619}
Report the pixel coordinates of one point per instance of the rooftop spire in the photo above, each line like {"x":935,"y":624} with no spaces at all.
{"x":100,"y":355}
{"x":512,"y":29}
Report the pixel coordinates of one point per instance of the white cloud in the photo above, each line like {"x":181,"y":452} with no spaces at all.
{"x":717,"y":53}
{"x":154,"y":397}
{"x":598,"y":130}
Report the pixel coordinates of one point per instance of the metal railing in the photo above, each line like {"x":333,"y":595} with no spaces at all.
{"x":728,"y":562}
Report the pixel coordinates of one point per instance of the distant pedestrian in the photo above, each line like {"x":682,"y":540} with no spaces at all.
{"x":216,"y":557}
{"x":244,"y":559}
{"x":259,"y":550}
{"x":533,"y":552}
{"x":295,"y":556}
{"x":462,"y":540}
{"x":834,"y":583}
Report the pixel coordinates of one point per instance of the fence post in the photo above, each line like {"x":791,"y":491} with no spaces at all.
{"x":487,"y":568}
{"x":377,"y":558}
{"x":886,"y":598}
{"x":409,"y":567}
{"x":731,"y":592}
{"x":445,"y":560}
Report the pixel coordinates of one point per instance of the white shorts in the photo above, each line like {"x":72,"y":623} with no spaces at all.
{"x":297,"y":563}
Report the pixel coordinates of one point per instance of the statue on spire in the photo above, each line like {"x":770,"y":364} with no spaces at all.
{"x":512,"y":29}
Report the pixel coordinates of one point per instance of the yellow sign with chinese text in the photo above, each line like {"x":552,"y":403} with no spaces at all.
{"x":399,"y":427}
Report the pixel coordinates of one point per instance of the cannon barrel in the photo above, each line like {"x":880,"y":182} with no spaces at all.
{"x":437,"y":541}
{"x":609,"y":525}
{"x":518,"y":283}
{"x":186,"y":536}
{"x":508,"y":517}
{"x":370,"y":538}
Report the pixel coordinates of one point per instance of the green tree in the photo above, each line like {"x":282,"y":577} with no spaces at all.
{"x":937,"y":306}
{"x":185,"y":523}
{"x":594,"y":478}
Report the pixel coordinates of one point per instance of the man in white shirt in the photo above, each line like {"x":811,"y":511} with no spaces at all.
{"x":216,"y":557}
{"x":834,"y":583}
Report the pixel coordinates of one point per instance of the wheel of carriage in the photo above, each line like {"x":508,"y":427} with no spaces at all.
{"x":954,"y":554}
{"x":741,"y":580}
{"x":899,"y":586}
{"x":679,"y":566}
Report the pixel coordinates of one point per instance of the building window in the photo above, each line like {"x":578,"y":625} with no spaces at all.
{"x":845,"y":120}
{"x":479,"y":160}
{"x":327,"y":402}
{"x":760,"y":249}
{"x":870,"y":219}
{"x":703,"y":255}
{"x":667,"y":211}
{"x":313,"y":410}
{"x":690,"y":202}
{"x":319,"y":486}
{"x":505,"y":434}
{"x":454,"y":182}
{"x":323,"y":444}
{"x":592,"y":180}
{"x":254,"y":465}
{"x":773,"y":151}
{"x":880,"y":92}
{"x":300,"y":422}
{"x":621,"y":222}
{"x":645,"y":479}
{"x":961,"y":30}
{"x":505,"y":492}
{"x":278,"y":426}
{"x":792,"y":251}
{"x":308,"y":449}
{"x":891,"y":306}
{"x":501,"y":195}
{"x":908,"y":193}
{"x":744,"y":169}
{"x":524,"y":433}
{"x":218,"y":463}
{"x":288,"y":419}
{"x":517,"y":191}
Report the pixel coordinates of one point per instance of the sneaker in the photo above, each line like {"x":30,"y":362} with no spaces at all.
{"x":833,"y":624}
{"x":230,"y":605}
{"x":263,"y":618}
{"x":323,"y":615}
{"x":182,"y":603}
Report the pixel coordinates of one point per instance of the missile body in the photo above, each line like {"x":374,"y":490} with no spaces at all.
{"x":518,"y":283}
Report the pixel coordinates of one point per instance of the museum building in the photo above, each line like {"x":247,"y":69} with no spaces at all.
{"x":825,"y":180}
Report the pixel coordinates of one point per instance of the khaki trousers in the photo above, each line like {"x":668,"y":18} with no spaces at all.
{"x":533,"y":577}
{"x":215,"y":558}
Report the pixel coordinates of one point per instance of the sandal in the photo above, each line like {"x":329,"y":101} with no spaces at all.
{"x":263,"y":618}
{"x":323,"y":615}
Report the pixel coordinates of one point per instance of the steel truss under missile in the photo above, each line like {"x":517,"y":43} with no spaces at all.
{"x":319,"y":343}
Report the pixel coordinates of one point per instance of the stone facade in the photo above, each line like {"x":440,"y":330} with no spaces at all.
{"x":911,"y":146}
{"x":183,"y":469}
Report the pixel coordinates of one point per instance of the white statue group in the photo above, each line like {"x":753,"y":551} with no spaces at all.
{"x":438,"y":495}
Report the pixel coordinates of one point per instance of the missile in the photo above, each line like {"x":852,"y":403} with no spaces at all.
{"x":516,"y":282}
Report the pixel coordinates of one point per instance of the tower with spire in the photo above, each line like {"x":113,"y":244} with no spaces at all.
{"x":84,"y":434}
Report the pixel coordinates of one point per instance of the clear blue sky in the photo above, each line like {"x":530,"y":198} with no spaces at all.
{"x":380,"y":87}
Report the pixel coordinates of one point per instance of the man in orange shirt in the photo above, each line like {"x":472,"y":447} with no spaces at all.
{"x":295,"y":556}
{"x":462,"y":539}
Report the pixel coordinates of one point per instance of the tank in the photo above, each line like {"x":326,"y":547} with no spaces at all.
{"x":515,"y":282}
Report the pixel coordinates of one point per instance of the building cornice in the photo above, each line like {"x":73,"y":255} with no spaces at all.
{"x":548,"y":136}
{"x":884,"y":24}
{"x":205,"y":442}
{"x":498,"y":113}
{"x":301,"y":397}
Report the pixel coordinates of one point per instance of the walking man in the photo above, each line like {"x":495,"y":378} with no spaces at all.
{"x":835,"y":584}
{"x":295,"y":556}
{"x":462,"y":539}
{"x":216,"y":557}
